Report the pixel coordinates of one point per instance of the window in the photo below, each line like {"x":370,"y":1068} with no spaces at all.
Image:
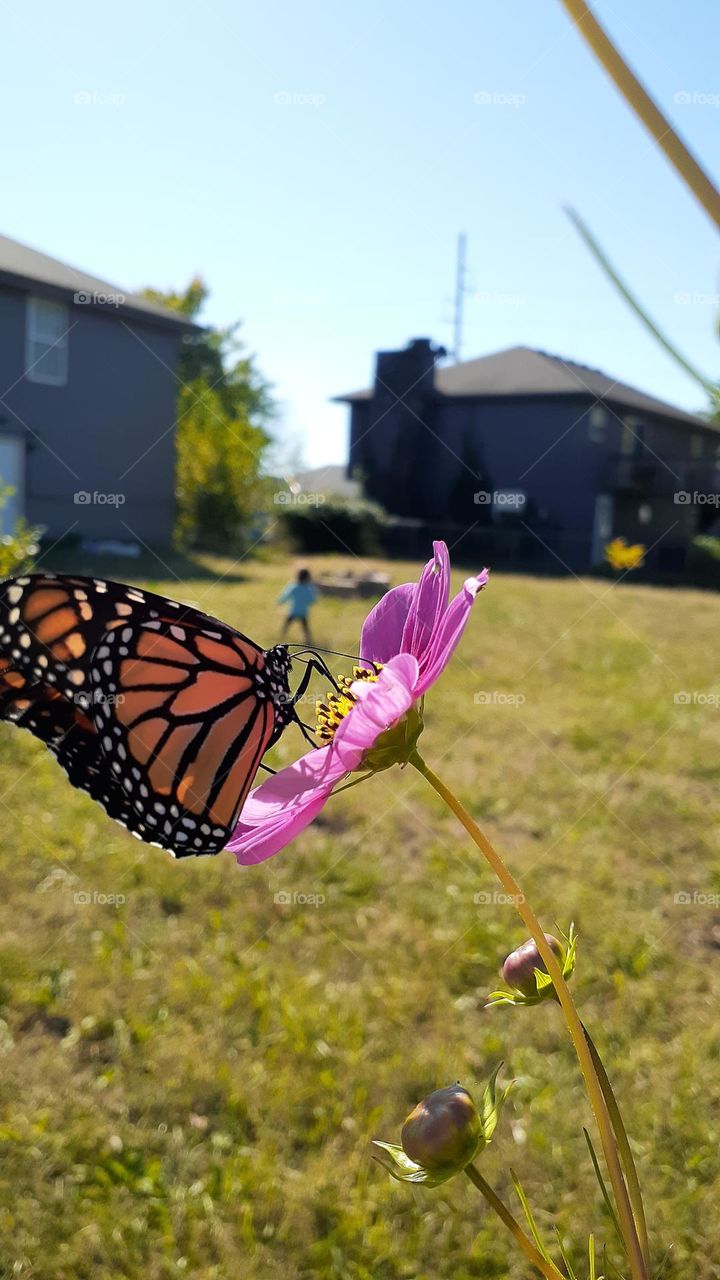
{"x":597,"y":424}
{"x":46,"y":342}
{"x":629,"y":438}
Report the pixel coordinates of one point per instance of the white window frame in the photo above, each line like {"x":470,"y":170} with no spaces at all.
{"x":42,"y":332}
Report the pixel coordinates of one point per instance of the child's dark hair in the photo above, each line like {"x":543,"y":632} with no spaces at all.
{"x":303,"y":575}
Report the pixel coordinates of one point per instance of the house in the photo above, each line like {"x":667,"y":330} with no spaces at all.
{"x":87,"y":402}
{"x":536,"y":457}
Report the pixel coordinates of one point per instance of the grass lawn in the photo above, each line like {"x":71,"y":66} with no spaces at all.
{"x":191,"y":1075}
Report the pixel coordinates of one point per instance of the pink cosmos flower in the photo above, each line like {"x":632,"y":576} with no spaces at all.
{"x":411,"y":634}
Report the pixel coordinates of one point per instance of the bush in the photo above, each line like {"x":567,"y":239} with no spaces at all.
{"x":336,"y":524}
{"x":703,"y":562}
{"x":18,"y":548}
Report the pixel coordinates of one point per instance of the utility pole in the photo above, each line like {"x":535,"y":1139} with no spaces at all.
{"x":460,"y":291}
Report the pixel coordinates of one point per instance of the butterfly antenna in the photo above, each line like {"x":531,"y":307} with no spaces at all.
{"x":336,"y":653}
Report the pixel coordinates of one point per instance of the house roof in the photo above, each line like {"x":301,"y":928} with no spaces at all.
{"x":523,"y":371}
{"x":20,"y":263}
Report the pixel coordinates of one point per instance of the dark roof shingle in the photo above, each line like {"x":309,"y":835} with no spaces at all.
{"x":523,"y":371}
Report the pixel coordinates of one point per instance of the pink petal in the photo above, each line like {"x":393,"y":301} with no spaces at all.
{"x":381,"y":636}
{"x":381,"y":704}
{"x":280,"y":808}
{"x":448,"y":634}
{"x":429,"y":603}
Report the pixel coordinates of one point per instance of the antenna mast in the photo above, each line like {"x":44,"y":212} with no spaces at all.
{"x":460,"y":291}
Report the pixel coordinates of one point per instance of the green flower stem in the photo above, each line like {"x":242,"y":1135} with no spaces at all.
{"x":623,"y":1143}
{"x":642,"y":104}
{"x":575,"y":1027}
{"x":548,"y":1268}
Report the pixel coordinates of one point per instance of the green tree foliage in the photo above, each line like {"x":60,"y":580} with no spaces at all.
{"x":224,"y":407}
{"x":18,"y":548}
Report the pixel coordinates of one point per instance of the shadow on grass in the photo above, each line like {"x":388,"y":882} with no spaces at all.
{"x":165,"y":564}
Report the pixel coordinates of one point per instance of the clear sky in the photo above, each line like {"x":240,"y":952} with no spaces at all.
{"x":315,"y":162}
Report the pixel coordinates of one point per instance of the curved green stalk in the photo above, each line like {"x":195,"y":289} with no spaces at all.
{"x":637,"y":307}
{"x":574,"y":1025}
{"x":642,"y":104}
{"x":545,"y":1265}
{"x":626,"y":1155}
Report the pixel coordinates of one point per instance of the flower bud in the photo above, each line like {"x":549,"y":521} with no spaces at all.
{"x":443,"y":1131}
{"x":519,"y":968}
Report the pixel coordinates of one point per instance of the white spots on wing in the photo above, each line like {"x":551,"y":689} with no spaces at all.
{"x":14,"y":594}
{"x":76,"y":677}
{"x":42,"y":660}
{"x":177,"y":632}
{"x":13,"y":617}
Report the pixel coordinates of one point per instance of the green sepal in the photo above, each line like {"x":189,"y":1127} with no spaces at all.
{"x":401,"y":1167}
{"x":491,"y":1104}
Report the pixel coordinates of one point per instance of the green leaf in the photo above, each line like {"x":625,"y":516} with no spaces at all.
{"x":563,"y":1255}
{"x":603,"y":1188}
{"x":529,"y":1215}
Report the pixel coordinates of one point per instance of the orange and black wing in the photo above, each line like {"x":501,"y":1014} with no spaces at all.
{"x":184,"y":721}
{"x":160,"y":712}
{"x":67,"y":732}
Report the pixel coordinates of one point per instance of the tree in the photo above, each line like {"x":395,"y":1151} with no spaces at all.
{"x":224,"y":408}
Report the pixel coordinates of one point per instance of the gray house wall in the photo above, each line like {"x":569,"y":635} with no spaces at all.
{"x":108,"y":434}
{"x":429,"y":463}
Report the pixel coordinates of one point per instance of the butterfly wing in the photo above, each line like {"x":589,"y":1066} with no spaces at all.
{"x":67,"y":733}
{"x":159,"y":711}
{"x":184,"y":720}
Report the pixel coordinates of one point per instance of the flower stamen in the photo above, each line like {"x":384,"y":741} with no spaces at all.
{"x":336,"y":706}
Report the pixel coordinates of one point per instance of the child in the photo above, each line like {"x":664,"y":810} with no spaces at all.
{"x":299,"y":595}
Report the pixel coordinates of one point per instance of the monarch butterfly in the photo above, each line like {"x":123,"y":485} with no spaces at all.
{"x":159,"y":711}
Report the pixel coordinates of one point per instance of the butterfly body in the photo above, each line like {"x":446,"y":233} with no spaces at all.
{"x":160,"y":712}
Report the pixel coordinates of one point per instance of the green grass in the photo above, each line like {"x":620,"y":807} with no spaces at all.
{"x":190,"y":1079}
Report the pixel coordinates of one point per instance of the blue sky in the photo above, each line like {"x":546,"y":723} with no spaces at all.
{"x":315,"y":163}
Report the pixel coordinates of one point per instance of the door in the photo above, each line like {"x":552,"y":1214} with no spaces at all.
{"x":12,"y":474}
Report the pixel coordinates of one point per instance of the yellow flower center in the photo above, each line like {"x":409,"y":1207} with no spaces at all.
{"x":333,"y":710}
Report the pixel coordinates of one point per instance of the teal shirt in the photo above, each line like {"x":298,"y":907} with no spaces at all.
{"x":299,"y":595}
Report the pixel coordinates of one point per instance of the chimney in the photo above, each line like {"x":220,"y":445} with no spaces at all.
{"x":406,"y":375}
